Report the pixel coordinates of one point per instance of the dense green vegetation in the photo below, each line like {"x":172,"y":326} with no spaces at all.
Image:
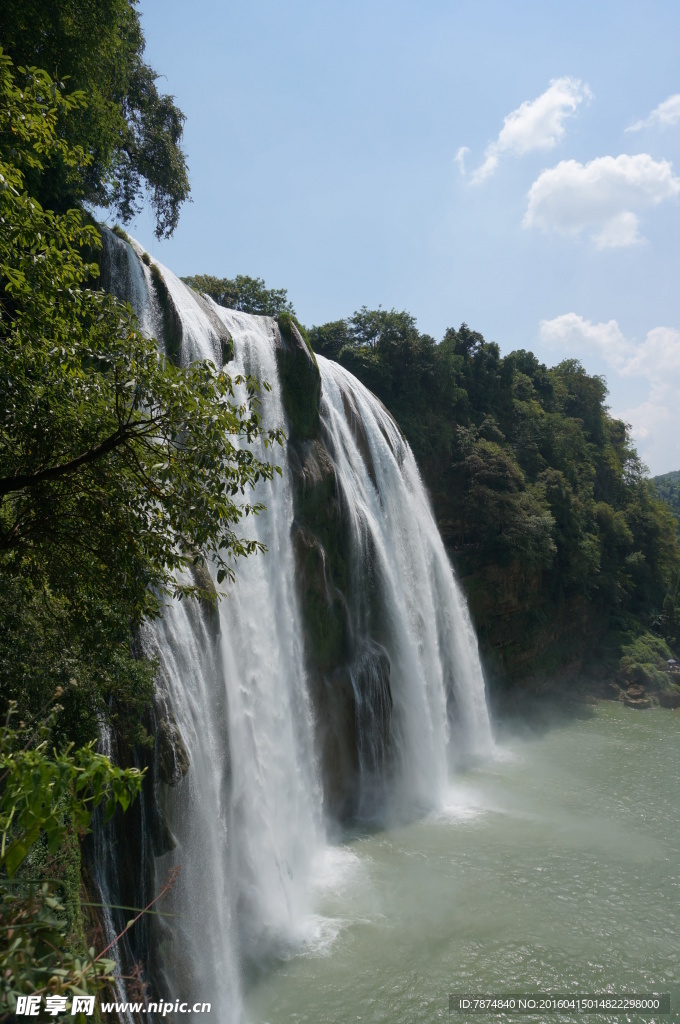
{"x":115,"y":465}
{"x":247,"y":294}
{"x":130,"y":133}
{"x":668,"y":488}
{"x":565,"y":550}
{"x":120,"y":475}
{"x":46,"y":801}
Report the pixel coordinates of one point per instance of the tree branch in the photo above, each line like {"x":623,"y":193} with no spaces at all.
{"x":21,"y":481}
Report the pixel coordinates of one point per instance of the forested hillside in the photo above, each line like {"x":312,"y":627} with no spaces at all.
{"x":568,"y":557}
{"x":565,"y":551}
{"x":668,"y":488}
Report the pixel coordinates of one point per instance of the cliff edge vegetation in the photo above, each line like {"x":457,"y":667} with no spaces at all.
{"x":568,"y":556}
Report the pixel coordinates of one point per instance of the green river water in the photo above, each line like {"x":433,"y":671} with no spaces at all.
{"x":554,"y":868}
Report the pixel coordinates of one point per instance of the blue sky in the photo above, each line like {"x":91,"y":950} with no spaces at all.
{"x":513,"y":166}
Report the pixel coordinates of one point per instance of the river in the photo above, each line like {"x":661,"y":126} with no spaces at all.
{"x":554,"y":868}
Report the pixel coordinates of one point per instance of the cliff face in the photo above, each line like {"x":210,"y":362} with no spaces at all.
{"x":349,"y":674}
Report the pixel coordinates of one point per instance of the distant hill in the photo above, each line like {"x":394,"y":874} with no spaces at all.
{"x":668,"y":487}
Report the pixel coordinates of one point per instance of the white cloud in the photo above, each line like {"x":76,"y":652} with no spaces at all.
{"x":459,"y":158}
{"x":536,"y":124}
{"x":601,"y":194}
{"x":620,"y":231}
{"x":663,"y":116}
{"x":656,"y":361}
{"x":574,"y":332}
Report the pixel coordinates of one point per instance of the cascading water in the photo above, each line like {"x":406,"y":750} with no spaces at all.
{"x":425,"y":627}
{"x":124,"y":274}
{"x":247,"y":816}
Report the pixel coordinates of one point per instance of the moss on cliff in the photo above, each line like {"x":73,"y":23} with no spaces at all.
{"x":172,"y":323}
{"x":300,"y":378}
{"x":318,"y":546}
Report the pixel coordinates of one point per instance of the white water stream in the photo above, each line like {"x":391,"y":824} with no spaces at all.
{"x":247,"y":816}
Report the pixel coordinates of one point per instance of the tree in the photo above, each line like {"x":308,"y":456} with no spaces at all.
{"x":247,"y":294}
{"x":117,"y":468}
{"x":131,"y":133}
{"x":45,"y":797}
{"x":539,"y":493}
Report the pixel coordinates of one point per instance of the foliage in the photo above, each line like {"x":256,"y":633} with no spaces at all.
{"x":36,"y":784}
{"x":247,"y":294}
{"x":116,"y":467}
{"x":130,"y":132}
{"x":538,"y":491}
{"x":45,"y":795}
{"x":643,"y":661}
{"x":668,"y":488}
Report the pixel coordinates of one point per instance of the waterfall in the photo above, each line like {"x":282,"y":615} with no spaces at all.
{"x":425,"y":628}
{"x":247,"y":817}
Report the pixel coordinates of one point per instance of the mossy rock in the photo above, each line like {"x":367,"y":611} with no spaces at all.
{"x":118,"y":230}
{"x":172,"y":757}
{"x":323,"y":607}
{"x":224,"y":339}
{"x":208,"y":599}
{"x":172,"y":322}
{"x":335,"y":710}
{"x":300,"y":379}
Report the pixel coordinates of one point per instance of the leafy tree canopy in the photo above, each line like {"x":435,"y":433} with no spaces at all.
{"x":247,"y":294}
{"x":117,"y":468}
{"x":668,"y":488}
{"x":46,"y":795}
{"x":538,"y":491}
{"x":130,"y":131}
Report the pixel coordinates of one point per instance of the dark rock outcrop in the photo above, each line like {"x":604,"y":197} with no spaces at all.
{"x":173,"y":332}
{"x":224,"y":338}
{"x":172,"y":759}
{"x":208,"y":603}
{"x":349,"y":670}
{"x":300,"y":379}
{"x":668,"y":699}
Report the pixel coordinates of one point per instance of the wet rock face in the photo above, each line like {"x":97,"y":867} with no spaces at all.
{"x":300,"y":380}
{"x":208,"y":604}
{"x":172,"y":759}
{"x":337,"y":738}
{"x":349,"y":676}
{"x":173,"y":331}
{"x":668,"y":699}
{"x":224,"y":338}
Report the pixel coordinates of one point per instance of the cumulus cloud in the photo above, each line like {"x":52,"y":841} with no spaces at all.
{"x":663,"y":116}
{"x":574,"y":332}
{"x":655,"y":360}
{"x":536,"y":124}
{"x":603,"y":194}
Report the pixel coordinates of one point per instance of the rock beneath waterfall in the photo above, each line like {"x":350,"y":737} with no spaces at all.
{"x":203,"y":580}
{"x":172,"y":758}
{"x":162,"y":838}
{"x":640,"y":703}
{"x":335,"y":711}
{"x":224,"y":338}
{"x":319,"y":547}
{"x":299,"y":378}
